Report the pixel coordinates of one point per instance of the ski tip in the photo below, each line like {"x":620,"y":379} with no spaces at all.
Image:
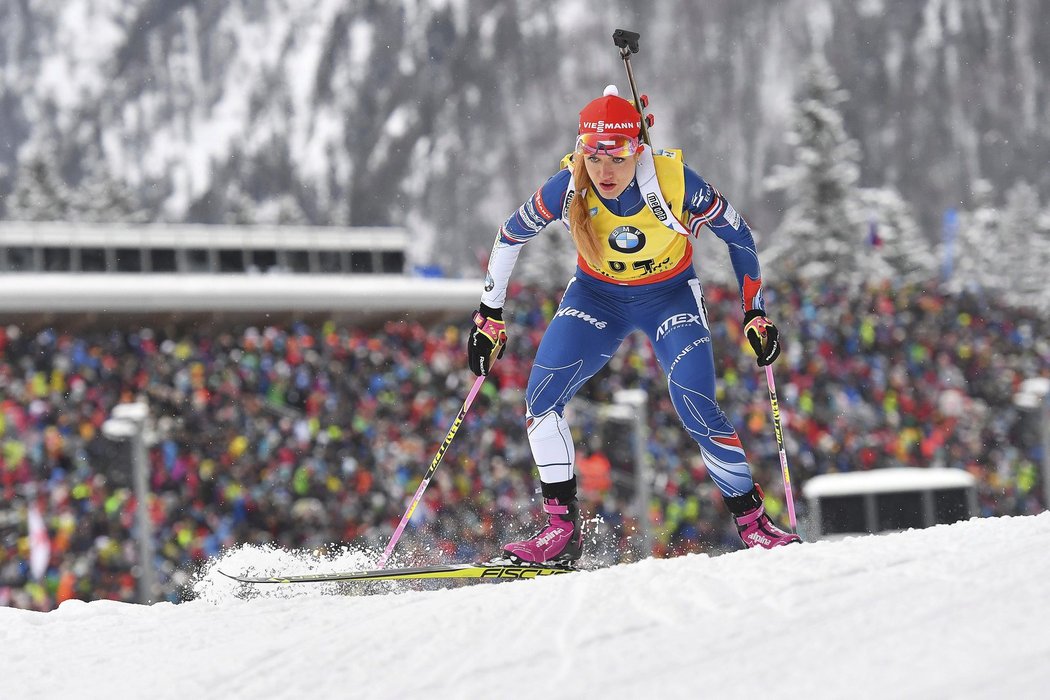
{"x":235,"y":578}
{"x":245,"y":578}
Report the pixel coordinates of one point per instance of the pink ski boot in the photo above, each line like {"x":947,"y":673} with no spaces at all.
{"x":561,"y":542}
{"x":755,"y":527}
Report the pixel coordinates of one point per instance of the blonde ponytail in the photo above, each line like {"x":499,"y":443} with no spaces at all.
{"x":580,"y":225}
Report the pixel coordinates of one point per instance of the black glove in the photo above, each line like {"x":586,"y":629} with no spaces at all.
{"x":763,"y":336}
{"x":487,"y":341}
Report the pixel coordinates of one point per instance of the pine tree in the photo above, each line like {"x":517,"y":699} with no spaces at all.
{"x":1022,"y":268}
{"x":238,"y":207}
{"x":549,"y":261}
{"x":40,"y":193}
{"x":894,"y":246}
{"x":822,"y":230}
{"x":1042,"y":252}
{"x":977,"y":250}
{"x":100,"y":197}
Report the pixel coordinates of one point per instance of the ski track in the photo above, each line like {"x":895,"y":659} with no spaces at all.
{"x":958,"y":611}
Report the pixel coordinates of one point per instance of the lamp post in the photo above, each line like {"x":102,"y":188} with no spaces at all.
{"x":128,"y":423}
{"x":1035,"y":395}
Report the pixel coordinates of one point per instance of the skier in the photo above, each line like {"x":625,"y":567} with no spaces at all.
{"x":631,"y":212}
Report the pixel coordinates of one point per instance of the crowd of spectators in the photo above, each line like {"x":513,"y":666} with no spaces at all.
{"x":314,"y":437}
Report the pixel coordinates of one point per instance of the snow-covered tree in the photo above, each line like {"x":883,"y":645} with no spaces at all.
{"x":549,"y":260}
{"x":1021,"y":246}
{"x":239,"y":206}
{"x":894,"y":246}
{"x":976,"y":262}
{"x":100,"y":196}
{"x":1042,"y":249}
{"x":40,"y":193}
{"x":822,"y":231}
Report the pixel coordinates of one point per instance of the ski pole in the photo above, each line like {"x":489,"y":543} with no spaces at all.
{"x":430,"y":472}
{"x":780,"y":445}
{"x":627,"y":42}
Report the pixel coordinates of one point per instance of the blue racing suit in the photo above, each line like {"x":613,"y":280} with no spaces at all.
{"x":661,"y":296}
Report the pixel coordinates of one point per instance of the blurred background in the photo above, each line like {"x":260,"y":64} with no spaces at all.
{"x":267,"y":222}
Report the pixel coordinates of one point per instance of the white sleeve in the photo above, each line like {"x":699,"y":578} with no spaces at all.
{"x":497,"y":278}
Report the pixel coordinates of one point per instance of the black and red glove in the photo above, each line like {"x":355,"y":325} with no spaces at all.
{"x":487,"y":341}
{"x":763,"y":336}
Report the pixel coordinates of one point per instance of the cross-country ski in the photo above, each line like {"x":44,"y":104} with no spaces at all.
{"x":485,"y":571}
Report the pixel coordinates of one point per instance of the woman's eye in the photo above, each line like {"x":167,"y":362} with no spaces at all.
{"x":593,"y":159}
{"x":618,"y":160}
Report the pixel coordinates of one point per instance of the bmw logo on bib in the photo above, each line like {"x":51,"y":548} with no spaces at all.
{"x":627,"y":239}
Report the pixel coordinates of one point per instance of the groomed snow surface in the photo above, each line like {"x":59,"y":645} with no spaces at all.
{"x":959,"y":611}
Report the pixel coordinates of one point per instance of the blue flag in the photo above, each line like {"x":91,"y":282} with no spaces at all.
{"x":949,"y":231}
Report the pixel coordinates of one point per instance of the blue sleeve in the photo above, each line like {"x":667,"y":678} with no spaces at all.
{"x":539,"y":210}
{"x":705,"y":206}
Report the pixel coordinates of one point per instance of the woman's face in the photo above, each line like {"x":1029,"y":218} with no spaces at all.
{"x":611,"y":174}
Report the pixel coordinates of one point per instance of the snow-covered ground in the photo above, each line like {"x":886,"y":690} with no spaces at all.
{"x":952,"y":612}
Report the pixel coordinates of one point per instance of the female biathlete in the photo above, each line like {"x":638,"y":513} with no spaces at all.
{"x":631,"y":212}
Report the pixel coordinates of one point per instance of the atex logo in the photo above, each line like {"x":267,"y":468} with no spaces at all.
{"x":582,"y":315}
{"x":674,"y":321}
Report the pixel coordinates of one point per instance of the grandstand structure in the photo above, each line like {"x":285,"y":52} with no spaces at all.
{"x":50,"y":269}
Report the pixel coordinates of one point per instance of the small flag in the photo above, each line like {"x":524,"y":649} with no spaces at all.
{"x":874,"y":240}
{"x":39,"y":544}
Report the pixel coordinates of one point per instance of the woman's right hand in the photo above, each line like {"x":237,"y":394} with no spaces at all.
{"x":487,"y":341}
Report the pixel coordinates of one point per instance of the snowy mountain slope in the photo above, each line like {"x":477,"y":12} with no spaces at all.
{"x":444,"y":116}
{"x":960,"y":611}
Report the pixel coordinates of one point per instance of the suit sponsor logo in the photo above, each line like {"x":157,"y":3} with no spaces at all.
{"x":675,"y":321}
{"x":582,"y":315}
{"x":541,"y":209}
{"x":687,"y":349}
{"x":569,"y":194}
{"x":627,"y":239}
{"x":654,"y":204}
{"x":732,"y":218}
{"x":529,"y":218}
{"x":701,"y":198}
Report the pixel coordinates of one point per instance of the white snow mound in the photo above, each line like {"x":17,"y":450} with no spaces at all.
{"x":954,"y":611}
